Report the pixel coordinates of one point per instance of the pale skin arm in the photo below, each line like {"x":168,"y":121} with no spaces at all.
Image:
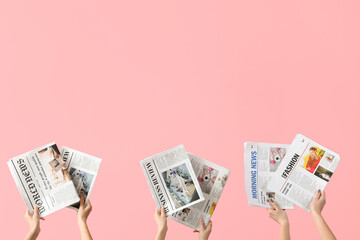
{"x":280,"y":216}
{"x":83,"y":214}
{"x":34,"y":224}
{"x":317,"y":206}
{"x":161,"y":222}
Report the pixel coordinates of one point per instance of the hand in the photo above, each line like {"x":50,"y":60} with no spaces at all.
{"x":278,"y":214}
{"x":205,"y":231}
{"x":34,"y":223}
{"x":84,"y":210}
{"x":318,"y":203}
{"x":160,"y":219}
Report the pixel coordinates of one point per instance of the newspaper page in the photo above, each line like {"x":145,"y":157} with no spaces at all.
{"x":83,"y":169}
{"x":42,"y":179}
{"x":172,"y":180}
{"x":261,"y":162}
{"x":212,"y":179}
{"x":306,"y":168}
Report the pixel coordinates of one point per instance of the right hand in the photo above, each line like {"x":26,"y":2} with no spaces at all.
{"x":204,"y":231}
{"x":160,"y":219}
{"x":318,"y":202}
{"x":34,"y":221}
{"x":84,"y":210}
{"x":277,"y":214}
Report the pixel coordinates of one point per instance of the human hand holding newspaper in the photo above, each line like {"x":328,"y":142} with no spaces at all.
{"x":317,"y":206}
{"x":279,"y":215}
{"x":161,"y":222}
{"x":204,"y":232}
{"x":83,"y":213}
{"x":34,"y":223}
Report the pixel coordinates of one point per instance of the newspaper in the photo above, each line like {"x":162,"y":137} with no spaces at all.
{"x":261,"y":162}
{"x":42,"y":179}
{"x":172,"y":180}
{"x":83,"y":170}
{"x":306,"y":168}
{"x":212,"y":179}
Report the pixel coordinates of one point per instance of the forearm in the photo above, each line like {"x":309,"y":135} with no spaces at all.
{"x":84,"y":231}
{"x":324,"y":230}
{"x":32,"y":235}
{"x":285,"y":231}
{"x":161,"y":234}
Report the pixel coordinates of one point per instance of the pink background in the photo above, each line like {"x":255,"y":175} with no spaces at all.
{"x":125,"y":80}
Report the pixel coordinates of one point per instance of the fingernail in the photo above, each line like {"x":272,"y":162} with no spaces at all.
{"x":319,"y":191}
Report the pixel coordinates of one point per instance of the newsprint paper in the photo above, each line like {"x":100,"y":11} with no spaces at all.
{"x":261,"y":162}
{"x":43,"y":180}
{"x":212,"y":179}
{"x":306,"y":168}
{"x":83,"y":169}
{"x":172,"y":180}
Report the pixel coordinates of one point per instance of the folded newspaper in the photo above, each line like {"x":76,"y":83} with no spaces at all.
{"x":83,"y":169}
{"x":306,"y":168}
{"x":42,"y":179}
{"x":172,"y":180}
{"x":261,"y":162}
{"x":212,"y":179}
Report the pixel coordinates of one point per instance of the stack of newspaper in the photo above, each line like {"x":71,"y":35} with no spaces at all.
{"x":187,"y":186}
{"x":53,"y":179}
{"x":287,"y":174}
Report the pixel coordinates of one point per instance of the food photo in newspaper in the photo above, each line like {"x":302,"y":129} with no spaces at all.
{"x":83,"y":169}
{"x":172,"y":180}
{"x":43,"y":180}
{"x":306,"y":168}
{"x":212,"y":179}
{"x":261,"y":161}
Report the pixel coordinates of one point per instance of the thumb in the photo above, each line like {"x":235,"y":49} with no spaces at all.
{"x":162,"y":210}
{"x":82,"y":200}
{"x":202,"y":226}
{"x":274,"y":204}
{"x":209,"y":226}
{"x":36,"y":212}
{"x":323,"y":195}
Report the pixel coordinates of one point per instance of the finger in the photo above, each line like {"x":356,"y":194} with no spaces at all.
{"x":36,"y":212}
{"x":42,"y":218}
{"x":274,"y":204}
{"x":157,"y":212}
{"x":323,"y":195}
{"x":209,"y":226}
{"x":202,"y":226}
{"x":195,"y":231}
{"x":27,"y":213}
{"x":88,"y":204}
{"x":318,"y":194}
{"x":162,"y":210}
{"x":82,"y":202}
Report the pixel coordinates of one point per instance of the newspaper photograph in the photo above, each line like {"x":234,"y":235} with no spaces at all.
{"x":261,"y":161}
{"x":83,"y":169}
{"x":212,"y":179}
{"x":172,"y":180}
{"x":306,"y":168}
{"x":43,"y":180}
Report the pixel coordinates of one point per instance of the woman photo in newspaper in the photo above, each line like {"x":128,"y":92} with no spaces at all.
{"x":306,"y":168}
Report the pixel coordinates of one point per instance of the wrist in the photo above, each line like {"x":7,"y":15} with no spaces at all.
{"x":316,"y":214}
{"x":81,"y":221}
{"x":284,"y":223}
{"x":162,"y":229}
